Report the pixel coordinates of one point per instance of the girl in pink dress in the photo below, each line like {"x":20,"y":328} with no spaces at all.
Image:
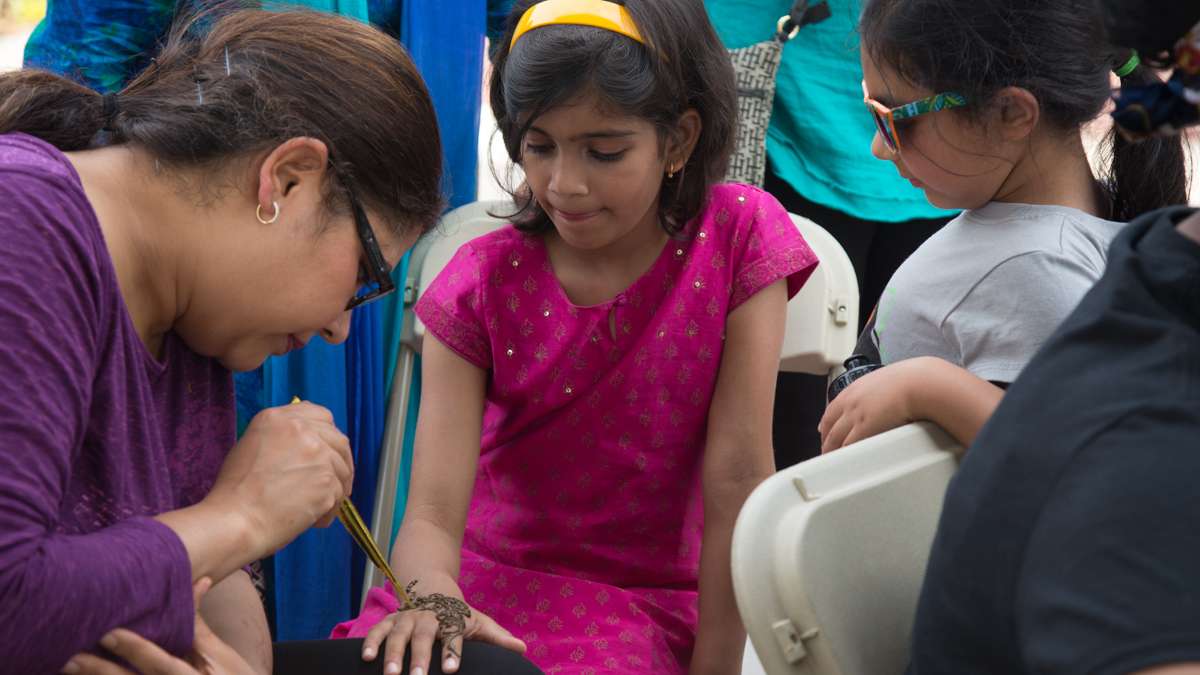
{"x":599,"y":375}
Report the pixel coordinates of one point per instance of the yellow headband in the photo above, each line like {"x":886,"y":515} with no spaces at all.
{"x":598,"y":13}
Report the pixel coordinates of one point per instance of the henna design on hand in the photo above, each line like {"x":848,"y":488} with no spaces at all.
{"x":451,"y":614}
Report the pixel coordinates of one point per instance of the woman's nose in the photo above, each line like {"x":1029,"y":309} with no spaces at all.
{"x":338,"y":330}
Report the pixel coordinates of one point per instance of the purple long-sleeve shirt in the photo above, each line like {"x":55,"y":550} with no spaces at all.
{"x":96,"y":435}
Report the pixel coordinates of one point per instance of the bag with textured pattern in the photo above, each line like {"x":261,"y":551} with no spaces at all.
{"x":755,"y":68}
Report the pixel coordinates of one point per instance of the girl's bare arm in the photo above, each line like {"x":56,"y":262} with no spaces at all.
{"x":738,"y":455}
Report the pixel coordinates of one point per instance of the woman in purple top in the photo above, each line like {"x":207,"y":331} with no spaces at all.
{"x":234,"y":201}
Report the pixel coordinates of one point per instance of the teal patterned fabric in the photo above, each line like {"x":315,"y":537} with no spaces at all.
{"x":104,"y":43}
{"x":99,"y":43}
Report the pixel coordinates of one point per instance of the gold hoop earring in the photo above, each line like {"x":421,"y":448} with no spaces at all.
{"x":671,"y":172}
{"x":267,"y":221}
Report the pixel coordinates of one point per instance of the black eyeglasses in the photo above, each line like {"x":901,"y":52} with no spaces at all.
{"x":375,"y":271}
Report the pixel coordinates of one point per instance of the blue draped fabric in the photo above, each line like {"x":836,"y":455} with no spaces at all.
{"x":315,"y":581}
{"x":310,"y":577}
{"x":357,"y":9}
{"x":445,"y":38}
{"x":99,"y":44}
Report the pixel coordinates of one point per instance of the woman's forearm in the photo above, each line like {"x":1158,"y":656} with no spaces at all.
{"x":218,"y":541}
{"x":75,"y":588}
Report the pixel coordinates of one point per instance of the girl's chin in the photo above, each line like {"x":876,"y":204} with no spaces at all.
{"x":940,"y":200}
{"x":582,"y":239}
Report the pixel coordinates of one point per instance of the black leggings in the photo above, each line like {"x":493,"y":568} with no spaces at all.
{"x":344,"y":657}
{"x":876,"y":249}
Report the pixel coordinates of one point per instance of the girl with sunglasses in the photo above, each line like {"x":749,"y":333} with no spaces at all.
{"x":598,"y":377}
{"x":982,"y":104}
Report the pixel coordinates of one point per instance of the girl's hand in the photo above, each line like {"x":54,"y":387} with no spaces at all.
{"x":420,"y":628}
{"x":875,"y":403}
{"x":289,"y":471}
{"x":210,"y":656}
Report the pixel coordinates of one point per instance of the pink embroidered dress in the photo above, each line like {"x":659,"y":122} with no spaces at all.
{"x":584,"y":530}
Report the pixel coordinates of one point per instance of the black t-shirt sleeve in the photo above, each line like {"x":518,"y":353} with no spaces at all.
{"x":1110,"y":581}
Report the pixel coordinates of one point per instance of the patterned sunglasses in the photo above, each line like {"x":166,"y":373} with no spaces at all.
{"x":885,"y":117}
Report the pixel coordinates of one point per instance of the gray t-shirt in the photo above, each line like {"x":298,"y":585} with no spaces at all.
{"x":988,"y":289}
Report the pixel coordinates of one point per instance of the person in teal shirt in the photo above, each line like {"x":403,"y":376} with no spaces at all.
{"x":819,"y":165}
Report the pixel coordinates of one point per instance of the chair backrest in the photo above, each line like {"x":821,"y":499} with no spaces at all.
{"x":822,"y":323}
{"x":437,"y":248}
{"x":828,"y":555}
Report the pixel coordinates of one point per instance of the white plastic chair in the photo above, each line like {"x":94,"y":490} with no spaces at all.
{"x":822,"y":321}
{"x":828,"y":555}
{"x":820,"y":332}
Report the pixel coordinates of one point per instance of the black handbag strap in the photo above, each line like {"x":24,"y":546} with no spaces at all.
{"x":802,"y":14}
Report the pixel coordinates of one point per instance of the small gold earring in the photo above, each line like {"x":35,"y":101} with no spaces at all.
{"x":671,"y":172}
{"x":267,"y":221}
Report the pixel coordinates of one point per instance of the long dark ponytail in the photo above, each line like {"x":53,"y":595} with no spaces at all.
{"x":62,"y":113}
{"x":1144,"y":175}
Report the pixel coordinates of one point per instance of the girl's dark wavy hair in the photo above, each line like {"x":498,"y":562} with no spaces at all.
{"x":1055,"y":49}
{"x":232,"y":81}
{"x":682,"y":65}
